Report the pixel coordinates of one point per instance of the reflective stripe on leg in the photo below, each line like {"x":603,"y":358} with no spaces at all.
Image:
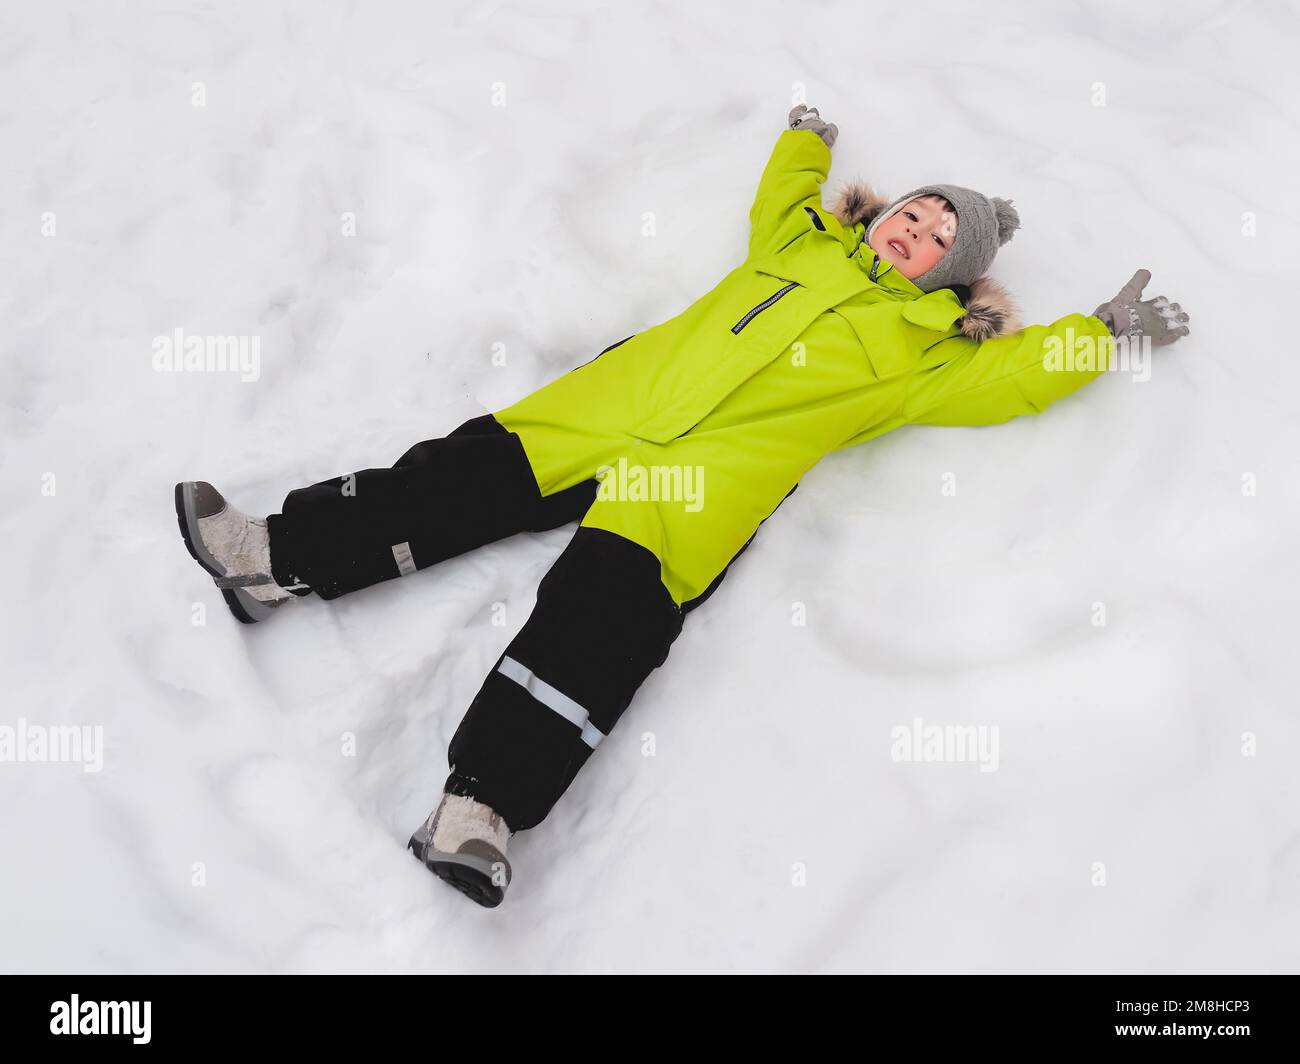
{"x":402,"y":555}
{"x":553,"y":699}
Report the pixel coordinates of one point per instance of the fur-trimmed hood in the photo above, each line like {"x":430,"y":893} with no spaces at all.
{"x":990,"y":309}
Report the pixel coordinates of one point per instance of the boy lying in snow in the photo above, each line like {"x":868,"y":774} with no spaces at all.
{"x":839,"y":326}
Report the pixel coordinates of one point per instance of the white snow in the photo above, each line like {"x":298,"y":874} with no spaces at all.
{"x":772,"y":830}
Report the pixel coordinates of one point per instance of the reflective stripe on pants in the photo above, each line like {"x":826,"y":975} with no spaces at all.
{"x":603,"y":622}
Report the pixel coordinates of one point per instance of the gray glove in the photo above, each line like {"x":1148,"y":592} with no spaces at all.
{"x":1129,"y":315}
{"x":803,"y":118}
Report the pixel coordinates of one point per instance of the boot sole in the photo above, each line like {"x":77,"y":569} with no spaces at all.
{"x":245,"y":607}
{"x":470,"y":875}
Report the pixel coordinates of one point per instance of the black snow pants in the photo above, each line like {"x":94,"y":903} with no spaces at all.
{"x":602,"y":623}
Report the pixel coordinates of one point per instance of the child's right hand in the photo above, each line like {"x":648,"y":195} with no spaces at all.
{"x":803,"y":118}
{"x":1133,"y":317}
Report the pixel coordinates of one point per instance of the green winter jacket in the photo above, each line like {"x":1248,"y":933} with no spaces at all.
{"x":812,"y":344}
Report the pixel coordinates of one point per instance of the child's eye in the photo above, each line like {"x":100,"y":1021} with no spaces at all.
{"x":910,"y":215}
{"x":938,"y":241}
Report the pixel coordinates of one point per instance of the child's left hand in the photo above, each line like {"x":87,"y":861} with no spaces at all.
{"x":1131,"y":316}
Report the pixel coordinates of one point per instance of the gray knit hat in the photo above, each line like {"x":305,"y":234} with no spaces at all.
{"x":983,"y":226}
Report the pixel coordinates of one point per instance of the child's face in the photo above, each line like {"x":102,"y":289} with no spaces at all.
{"x":916,"y":236}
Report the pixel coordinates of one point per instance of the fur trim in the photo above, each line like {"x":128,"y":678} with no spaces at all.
{"x":990,"y":311}
{"x":857,"y":202}
{"x":459,"y":819}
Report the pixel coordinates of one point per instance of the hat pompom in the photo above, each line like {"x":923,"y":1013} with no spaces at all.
{"x":1008,"y":219}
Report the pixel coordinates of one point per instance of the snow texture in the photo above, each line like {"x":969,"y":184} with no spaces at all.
{"x":1142,"y":816}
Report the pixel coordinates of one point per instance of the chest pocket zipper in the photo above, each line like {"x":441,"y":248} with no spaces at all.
{"x":763,"y":306}
{"x":816,"y":219}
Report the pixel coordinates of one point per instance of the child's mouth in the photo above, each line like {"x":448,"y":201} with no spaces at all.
{"x":899,"y":248}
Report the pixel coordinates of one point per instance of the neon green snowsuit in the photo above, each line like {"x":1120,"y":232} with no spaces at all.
{"x":811,"y":345}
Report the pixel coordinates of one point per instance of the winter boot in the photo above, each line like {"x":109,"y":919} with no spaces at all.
{"x":464,"y":843}
{"x":234,"y":548}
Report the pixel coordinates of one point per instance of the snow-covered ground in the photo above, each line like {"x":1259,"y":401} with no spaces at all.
{"x":541,"y":180}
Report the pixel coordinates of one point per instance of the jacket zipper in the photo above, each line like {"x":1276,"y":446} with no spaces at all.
{"x":763,"y":306}
{"x":875,"y":259}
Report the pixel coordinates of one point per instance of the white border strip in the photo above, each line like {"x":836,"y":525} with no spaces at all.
{"x":402,"y":555}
